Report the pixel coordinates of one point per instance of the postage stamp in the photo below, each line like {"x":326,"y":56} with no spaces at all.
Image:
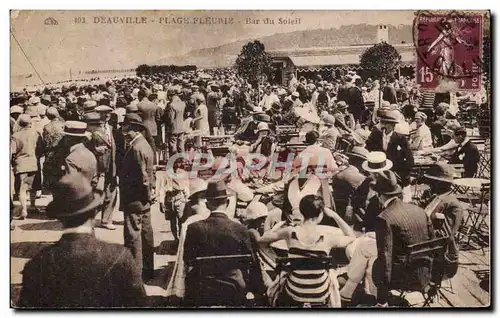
{"x":449,"y":49}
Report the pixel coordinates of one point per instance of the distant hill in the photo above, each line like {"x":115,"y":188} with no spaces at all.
{"x":225,"y":55}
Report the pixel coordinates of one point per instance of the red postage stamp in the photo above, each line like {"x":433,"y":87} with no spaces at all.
{"x":449,"y":50}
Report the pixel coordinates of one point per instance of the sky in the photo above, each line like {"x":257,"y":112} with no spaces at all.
{"x":78,"y":46}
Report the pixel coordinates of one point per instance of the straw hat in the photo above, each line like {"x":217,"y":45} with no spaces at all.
{"x":376,"y":161}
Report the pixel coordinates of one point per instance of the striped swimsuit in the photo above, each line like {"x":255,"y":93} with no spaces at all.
{"x":307,"y":286}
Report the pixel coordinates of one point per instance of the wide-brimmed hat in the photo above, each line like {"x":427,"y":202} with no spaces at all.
{"x":197,"y":188}
{"x":376,"y":161}
{"x":341,"y":105}
{"x":402,"y":128}
{"x":441,"y":172}
{"x":73,"y":196}
{"x":89,"y":105}
{"x":216,"y":190}
{"x":92,"y":118}
{"x":16,"y":109}
{"x":390,"y":116}
{"x":133,"y":119}
{"x":386,"y":183}
{"x":307,"y":115}
{"x":255,"y":210}
{"x":257,"y":110}
{"x":359,"y":152}
{"x":31,"y":111}
{"x":420,"y":115}
{"x":361,"y":135}
{"x":262,"y":126}
{"x":131,"y":108}
{"x":103,"y":108}
{"x":76,"y":128}
{"x":262,"y":117}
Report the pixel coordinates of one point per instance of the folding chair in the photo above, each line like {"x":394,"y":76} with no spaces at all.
{"x":484,"y":166}
{"x":290,"y":264}
{"x":424,"y":255}
{"x":477,"y":216}
{"x":212,"y":289}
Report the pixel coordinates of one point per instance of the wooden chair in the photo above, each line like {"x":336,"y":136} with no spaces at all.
{"x":212,"y":290}
{"x":424,"y":254}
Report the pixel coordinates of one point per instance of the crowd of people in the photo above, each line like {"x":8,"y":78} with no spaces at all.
{"x":98,"y":147}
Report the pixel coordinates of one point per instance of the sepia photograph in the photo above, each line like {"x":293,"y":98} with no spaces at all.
{"x":250,"y":159}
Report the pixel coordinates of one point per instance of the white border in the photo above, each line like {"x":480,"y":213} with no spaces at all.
{"x":189,"y":4}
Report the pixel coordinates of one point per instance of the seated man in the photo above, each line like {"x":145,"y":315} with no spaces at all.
{"x":397,"y":226}
{"x":466,"y":153}
{"x":314,"y":150}
{"x":445,"y":211}
{"x":219,"y":236}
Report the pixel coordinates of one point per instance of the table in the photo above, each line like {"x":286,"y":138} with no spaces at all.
{"x":471,"y":182}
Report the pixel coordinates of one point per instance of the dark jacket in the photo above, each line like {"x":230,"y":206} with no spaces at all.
{"x":398,"y":151}
{"x":81,"y":271}
{"x":137,"y":175}
{"x":469,"y":156}
{"x":397,"y":226}
{"x":389,"y":94}
{"x":104,"y":149}
{"x":147,"y":111}
{"x":356,"y":102}
{"x":217,"y":236}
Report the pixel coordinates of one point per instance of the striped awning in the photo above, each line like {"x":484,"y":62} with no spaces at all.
{"x":340,"y":61}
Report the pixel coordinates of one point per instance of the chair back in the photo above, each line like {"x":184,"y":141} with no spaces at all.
{"x":459,"y":170}
{"x":303,"y":263}
{"x":212,"y":287}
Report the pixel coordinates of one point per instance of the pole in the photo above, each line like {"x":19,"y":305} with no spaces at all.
{"x":26,"y":56}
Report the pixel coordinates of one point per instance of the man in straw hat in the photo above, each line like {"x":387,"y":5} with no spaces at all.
{"x":80,"y":271}
{"x":444,"y":209}
{"x":218,"y":236}
{"x":397,"y":226}
{"x":137,"y":184}
{"x":395,"y":146}
{"x":25,"y":149}
{"x":73,"y":155}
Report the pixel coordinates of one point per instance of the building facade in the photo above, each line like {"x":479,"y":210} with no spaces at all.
{"x":333,"y":62}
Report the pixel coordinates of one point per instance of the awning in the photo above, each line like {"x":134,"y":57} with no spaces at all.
{"x":340,"y":61}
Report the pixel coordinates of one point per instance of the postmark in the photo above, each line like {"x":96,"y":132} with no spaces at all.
{"x":449,"y":49}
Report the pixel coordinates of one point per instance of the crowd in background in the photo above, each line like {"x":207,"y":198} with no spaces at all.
{"x":96,"y":147}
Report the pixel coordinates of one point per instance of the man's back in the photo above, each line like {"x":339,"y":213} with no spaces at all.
{"x":175,"y":113}
{"x":81,"y":271}
{"x":408,"y":225}
{"x":217,"y":235}
{"x":147,"y":111}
